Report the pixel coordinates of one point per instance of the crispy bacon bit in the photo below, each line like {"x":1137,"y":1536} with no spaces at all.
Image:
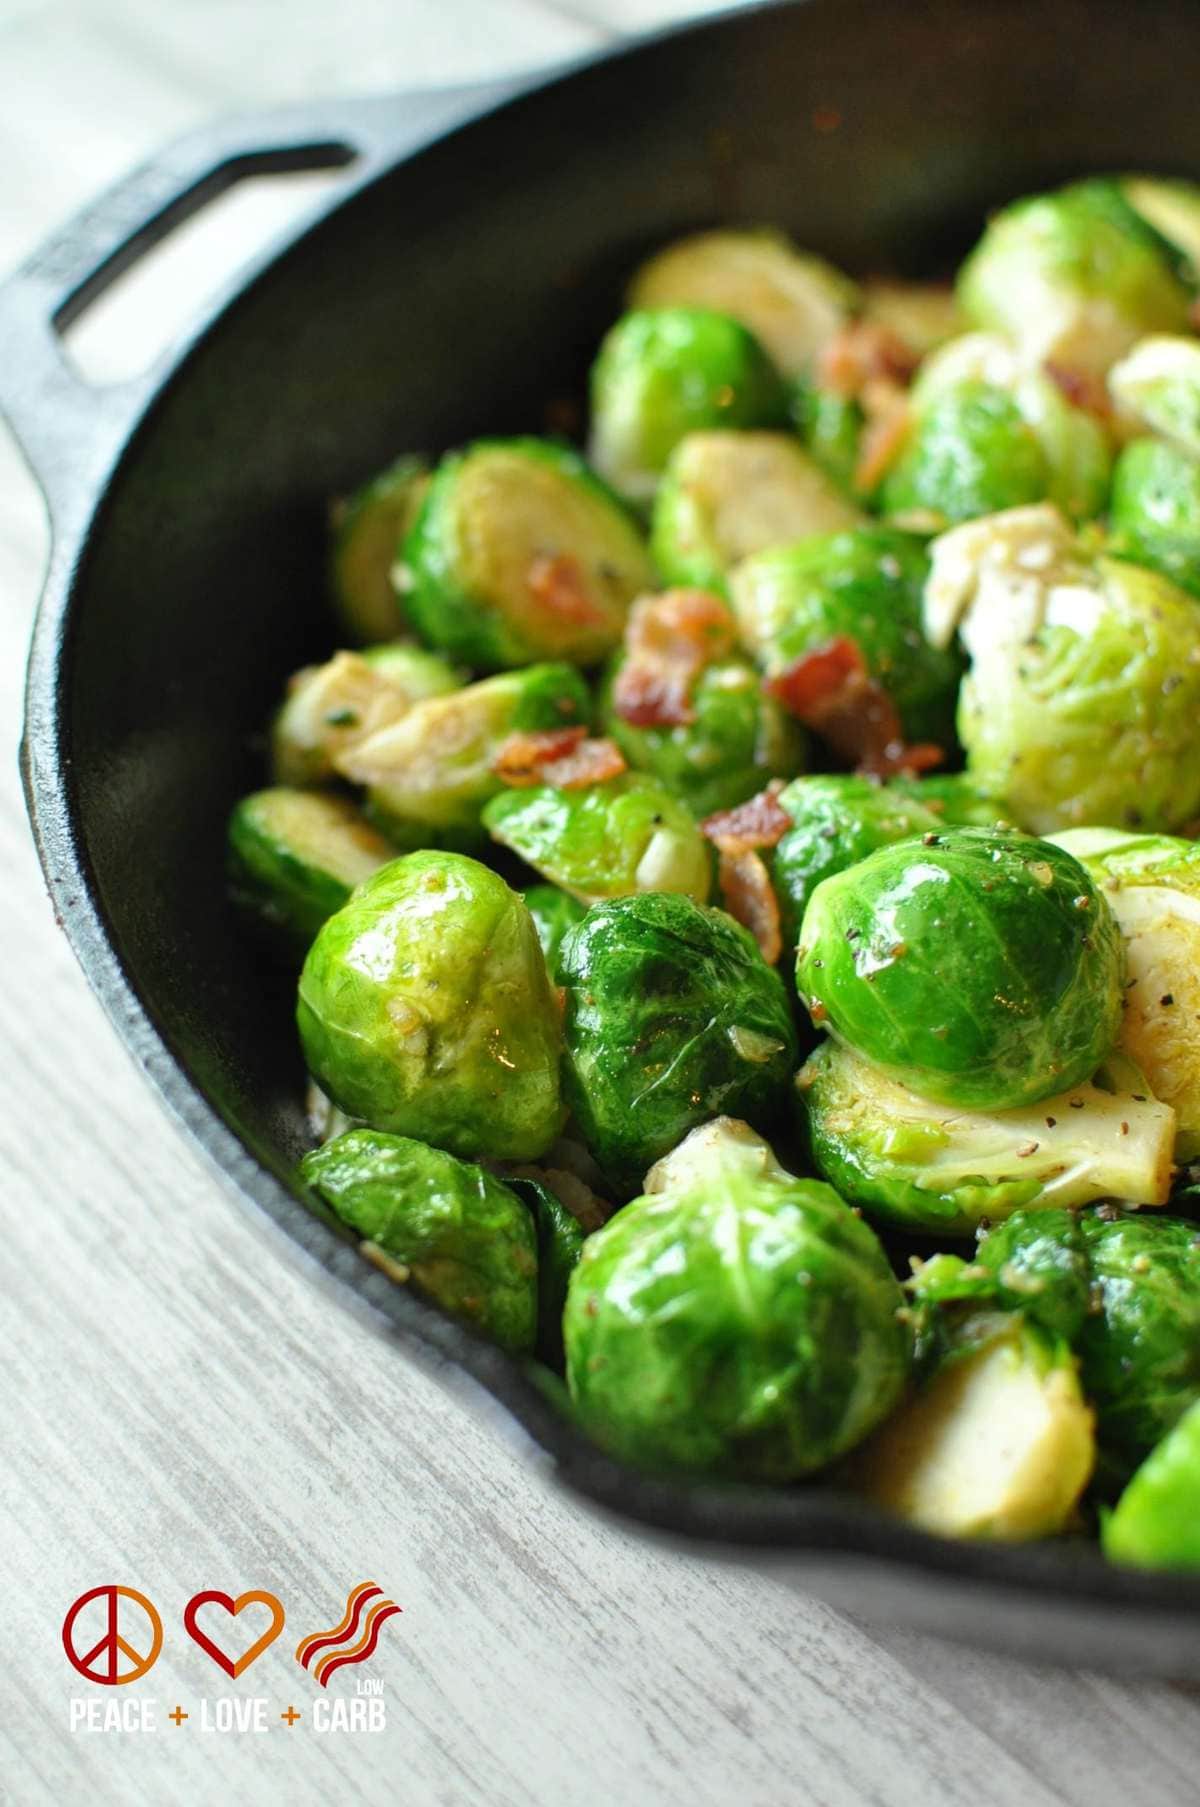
{"x":1082,"y":388}
{"x":865,"y":352}
{"x":564,"y":757}
{"x":887,"y":425}
{"x":668,"y":642}
{"x":557,"y":582}
{"x":831,"y":692}
{"x":750,"y":897}
{"x":759,"y":822}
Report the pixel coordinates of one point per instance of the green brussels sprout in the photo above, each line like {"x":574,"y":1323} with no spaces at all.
{"x":865,"y":586}
{"x":432,"y":768}
{"x":458,"y":1236}
{"x":1033,"y":1262}
{"x":998,"y":1443}
{"x":954,"y":798}
{"x":368,"y":530}
{"x":1172,"y":209}
{"x":1154,"y":519}
{"x":605,"y":840}
{"x":1074,"y":277}
{"x":560,"y":1239}
{"x":1080,"y":704}
{"x":941,"y":1168}
{"x":295,"y":856}
{"x":663,"y":373}
{"x":734,"y":1321}
{"x":520,"y":553}
{"x":1157,"y":389}
{"x":830,"y":427}
{"x":970,"y":452}
{"x":1156,"y":1522}
{"x":554,"y":914}
{"x":791,"y":301}
{"x":330,"y":707}
{"x":726,"y":495}
{"x":978,"y":966}
{"x":672,"y":1016}
{"x":425,"y":1008}
{"x":1152,"y":885}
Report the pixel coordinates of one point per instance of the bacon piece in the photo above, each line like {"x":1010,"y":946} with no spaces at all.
{"x":831,"y":692}
{"x":557,"y":582}
{"x":563,"y":757}
{"x":750,"y":898}
{"x":669,"y":641}
{"x":888,"y":418}
{"x":759,"y":822}
{"x":865,"y":352}
{"x":1082,"y":388}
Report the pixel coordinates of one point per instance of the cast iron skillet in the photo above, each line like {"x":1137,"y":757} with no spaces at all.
{"x":459,"y":285}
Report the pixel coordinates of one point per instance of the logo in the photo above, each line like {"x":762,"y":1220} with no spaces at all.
{"x":100,"y":1661}
{"x":351,"y":1641}
{"x":256,"y":1596}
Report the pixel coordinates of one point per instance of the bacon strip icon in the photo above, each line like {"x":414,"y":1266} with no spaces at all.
{"x":351,"y":1641}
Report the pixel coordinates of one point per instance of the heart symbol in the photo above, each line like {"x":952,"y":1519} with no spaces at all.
{"x":234,"y":1607}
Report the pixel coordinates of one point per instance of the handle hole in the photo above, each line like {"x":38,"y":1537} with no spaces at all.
{"x":138,"y":302}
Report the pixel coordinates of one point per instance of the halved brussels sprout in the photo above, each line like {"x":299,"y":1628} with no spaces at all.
{"x":605,"y":840}
{"x":864,"y":586}
{"x":520,"y":553}
{"x":1156,"y":1522}
{"x":331,"y":707}
{"x":454,"y":1233}
{"x":941,"y":1168}
{"x":425,"y":1009}
{"x":998,"y":1443}
{"x":791,"y":301}
{"x":554,"y":914}
{"x":1172,"y":208}
{"x":368,"y":531}
{"x":1157,"y":387}
{"x":726,"y":495}
{"x":980,"y":967}
{"x":1081,"y":701}
{"x":735,"y":1320}
{"x":295,"y":856}
{"x":672,"y":1016}
{"x":1152,"y":886}
{"x":1074,"y":277}
{"x":1154,"y":518}
{"x":663,"y":373}
{"x":432,"y":768}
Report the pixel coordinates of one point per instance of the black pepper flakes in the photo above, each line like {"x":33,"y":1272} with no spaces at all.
{"x":1050,"y":1122}
{"x":1167,"y":999}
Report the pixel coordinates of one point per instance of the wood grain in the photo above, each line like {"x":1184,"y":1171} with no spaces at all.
{"x":184,"y":1408}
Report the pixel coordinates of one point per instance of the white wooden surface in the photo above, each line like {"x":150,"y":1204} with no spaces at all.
{"x":184,"y":1409}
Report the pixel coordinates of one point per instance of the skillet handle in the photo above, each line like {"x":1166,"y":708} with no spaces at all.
{"x":71,"y":430}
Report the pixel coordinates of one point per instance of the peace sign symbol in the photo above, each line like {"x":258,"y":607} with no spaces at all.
{"x":101,"y":1661}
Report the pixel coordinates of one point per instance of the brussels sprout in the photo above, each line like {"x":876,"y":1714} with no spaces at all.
{"x":520,"y":553}
{"x":980,"y":967}
{"x":295,"y":857}
{"x":554,"y":914}
{"x":605,"y":840}
{"x":1157,"y":389}
{"x":997,"y":1444}
{"x":368,"y":530}
{"x":664,"y":373}
{"x":1156,"y":1521}
{"x":1154,"y":519}
{"x":447,"y":1228}
{"x":672,"y":1016}
{"x":831,"y":428}
{"x":791,"y":301}
{"x":331,"y":707}
{"x":432,"y":768}
{"x":425,"y":1009}
{"x":560,"y":1238}
{"x":942,"y":1168}
{"x":734,"y":1321}
{"x":954,"y":798}
{"x":1172,"y":209}
{"x":1034,"y":1262}
{"x":1084,"y":688}
{"x":923,"y":314}
{"x":726,"y":495}
{"x":866,"y":586}
{"x":1074,"y":277}
{"x":1152,"y":886}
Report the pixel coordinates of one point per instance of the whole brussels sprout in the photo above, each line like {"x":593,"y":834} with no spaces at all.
{"x":425,"y":1009}
{"x":865,"y":586}
{"x":954,"y":798}
{"x":1152,"y":885}
{"x":458,"y":1236}
{"x":1074,"y":277}
{"x":295,"y":857}
{"x":432,"y":768}
{"x":368,"y":530}
{"x":1080,"y":704}
{"x":554,"y":914}
{"x":726,"y":495}
{"x":734,"y":1321}
{"x":329,"y":708}
{"x":1034,"y":1262}
{"x":605,"y":840}
{"x":791,"y":301}
{"x":1154,"y":519}
{"x":519,"y":552}
{"x":940,"y":1168}
{"x":672,"y":1016}
{"x":980,"y":967}
{"x":1156,"y":1521}
{"x":560,"y":1238}
{"x":663,"y":373}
